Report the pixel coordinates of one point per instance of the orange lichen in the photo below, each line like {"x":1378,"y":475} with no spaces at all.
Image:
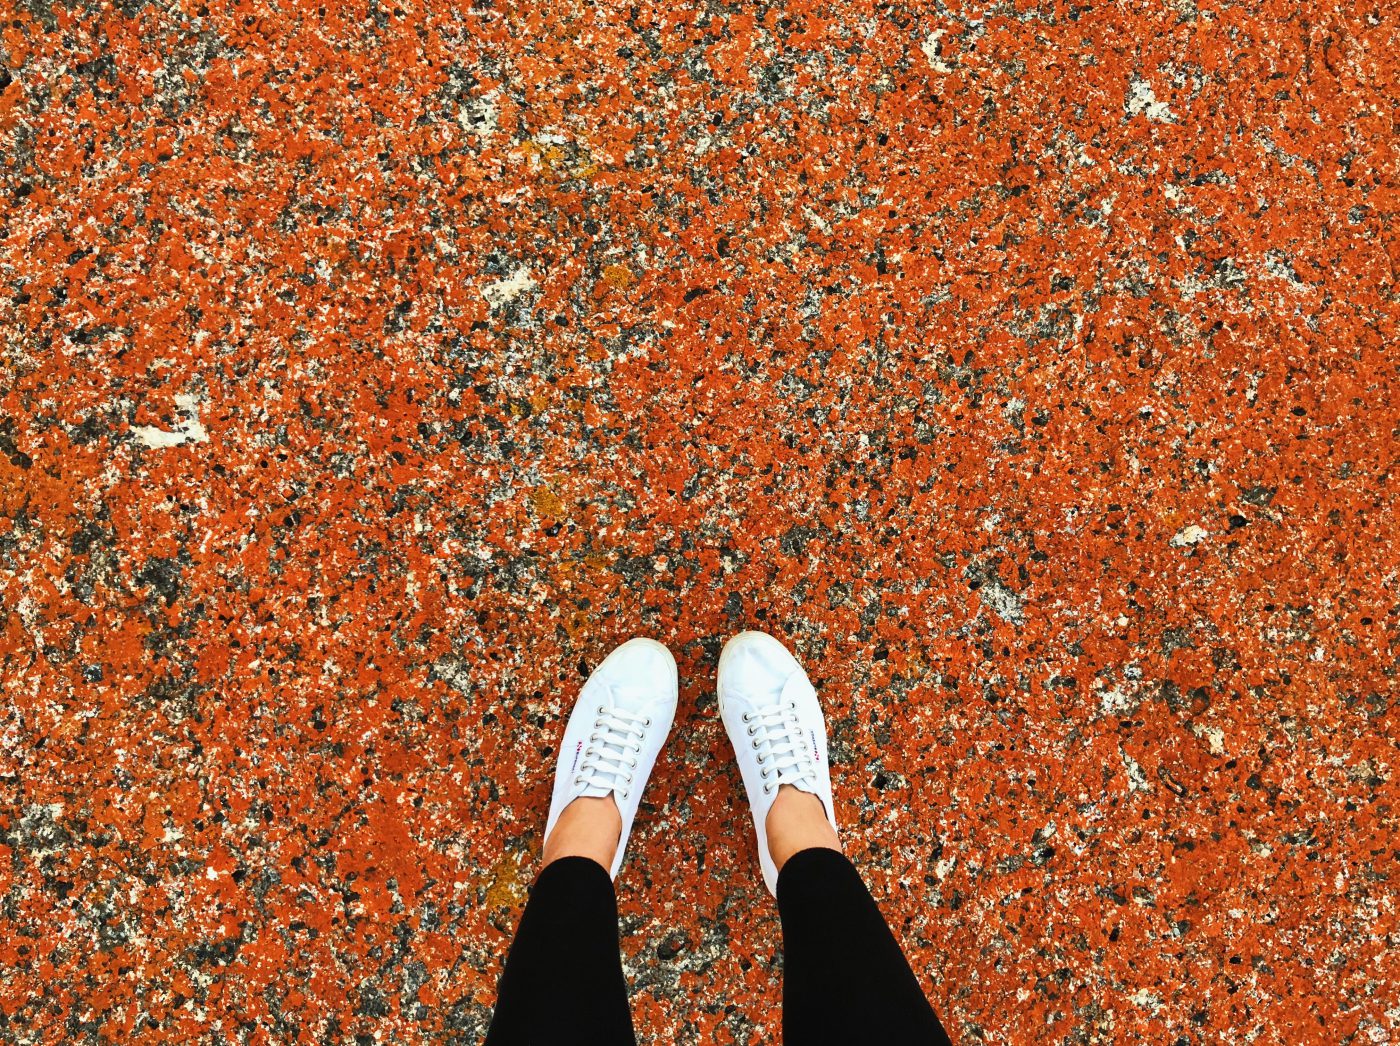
{"x":372,"y":369}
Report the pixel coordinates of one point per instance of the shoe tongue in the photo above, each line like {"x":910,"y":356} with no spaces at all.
{"x":797,"y":684}
{"x":777,"y":693}
{"x":628,"y":696}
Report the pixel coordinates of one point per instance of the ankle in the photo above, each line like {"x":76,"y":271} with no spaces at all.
{"x":797,"y":821}
{"x":591,"y":827}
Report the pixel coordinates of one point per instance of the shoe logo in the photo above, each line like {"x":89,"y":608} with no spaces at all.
{"x":577,"y":751}
{"x":816,"y":752}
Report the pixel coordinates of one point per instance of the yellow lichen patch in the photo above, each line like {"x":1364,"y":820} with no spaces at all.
{"x":505,"y":889}
{"x":597,"y":559}
{"x":619,"y":277}
{"x":546,"y":502}
{"x":564,"y":160}
{"x":555,"y":158}
{"x":576,"y":623}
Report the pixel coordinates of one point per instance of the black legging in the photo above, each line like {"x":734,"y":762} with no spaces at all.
{"x":845,"y":981}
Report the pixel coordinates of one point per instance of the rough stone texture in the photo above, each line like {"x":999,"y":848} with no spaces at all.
{"x":370,"y":369}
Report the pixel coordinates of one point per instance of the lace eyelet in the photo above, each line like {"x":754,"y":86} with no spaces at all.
{"x":602,"y":709}
{"x":647,"y":721}
{"x":633,"y":764}
{"x":767,"y":790}
{"x":752,"y":731}
{"x":746,"y":717}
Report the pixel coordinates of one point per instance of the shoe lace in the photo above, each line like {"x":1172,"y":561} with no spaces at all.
{"x":782,"y":750}
{"x":611,"y":755}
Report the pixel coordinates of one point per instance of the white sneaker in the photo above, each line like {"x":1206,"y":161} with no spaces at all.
{"x":615,"y":732}
{"x":776,"y":727}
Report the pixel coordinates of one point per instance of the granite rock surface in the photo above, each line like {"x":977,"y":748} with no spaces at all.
{"x":372,"y":368}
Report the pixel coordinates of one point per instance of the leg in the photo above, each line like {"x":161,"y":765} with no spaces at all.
{"x":563,"y":978}
{"x":845,"y":979}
